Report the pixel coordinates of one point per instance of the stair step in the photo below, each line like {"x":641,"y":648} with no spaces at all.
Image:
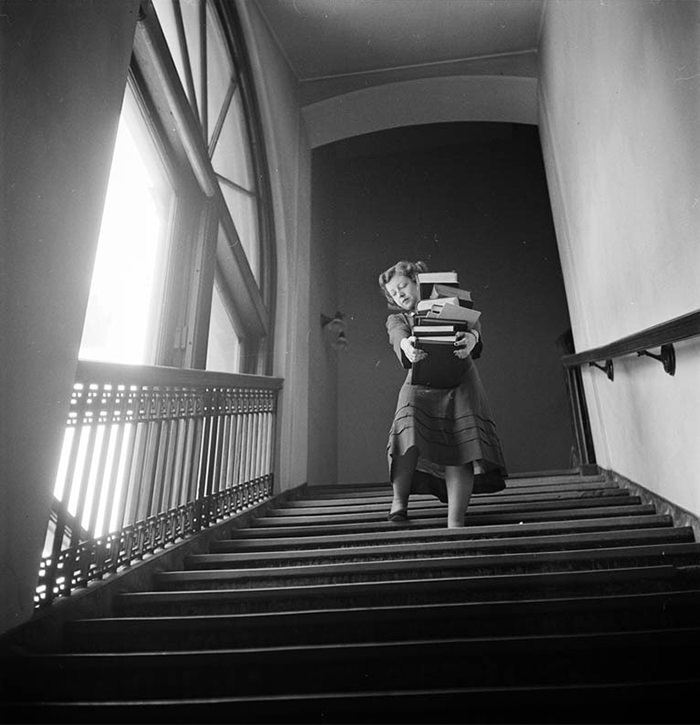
{"x":407,"y":550}
{"x":416,"y":534}
{"x":655,"y":610}
{"x":587,"y":510}
{"x":436,"y":508}
{"x":622,"y":702}
{"x":572,"y":560}
{"x":358,"y":490}
{"x":418,"y":590}
{"x":557,"y":659}
{"x":514,"y":492}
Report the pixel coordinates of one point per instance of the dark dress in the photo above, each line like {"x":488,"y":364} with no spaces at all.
{"x":449,"y":427}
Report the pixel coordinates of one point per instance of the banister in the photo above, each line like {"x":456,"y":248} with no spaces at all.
{"x":662,"y":335}
{"x":666,"y":333}
{"x":159,"y":375}
{"x":151,"y":455}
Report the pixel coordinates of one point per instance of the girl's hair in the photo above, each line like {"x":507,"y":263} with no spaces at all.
{"x":404,"y":269}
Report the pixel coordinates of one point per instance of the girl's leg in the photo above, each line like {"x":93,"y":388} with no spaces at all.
{"x":403,"y":469}
{"x":460,"y":483}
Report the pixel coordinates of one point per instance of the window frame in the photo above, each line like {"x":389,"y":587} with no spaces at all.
{"x":198,"y":250}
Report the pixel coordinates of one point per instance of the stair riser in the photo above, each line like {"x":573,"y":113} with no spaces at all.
{"x":384,"y":496}
{"x":475,"y":548}
{"x":435,"y":570}
{"x":490,"y":517}
{"x":424,"y":592}
{"x":379,"y":627}
{"x":476,"y":504}
{"x":409,"y":535}
{"x":454,"y":664}
{"x":640,"y":703}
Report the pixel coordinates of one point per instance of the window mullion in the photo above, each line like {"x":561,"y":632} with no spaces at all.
{"x":203,"y":68}
{"x":182,"y":37}
{"x":222,"y":116}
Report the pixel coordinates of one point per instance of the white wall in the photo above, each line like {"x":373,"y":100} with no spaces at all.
{"x":619,"y":119}
{"x":509,"y":99}
{"x":289,"y":159}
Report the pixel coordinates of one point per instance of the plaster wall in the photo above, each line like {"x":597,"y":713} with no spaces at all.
{"x":323,"y":356}
{"x":64,"y":68}
{"x":443,"y":99}
{"x":619,"y":110}
{"x":289,"y":160}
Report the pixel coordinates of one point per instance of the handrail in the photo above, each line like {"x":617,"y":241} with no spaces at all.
{"x":666,"y":333}
{"x":160,"y":375}
{"x":662,"y":335}
{"x":152,"y":455}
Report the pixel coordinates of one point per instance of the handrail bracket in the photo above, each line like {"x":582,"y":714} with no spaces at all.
{"x":667,"y":357}
{"x":608,"y":368}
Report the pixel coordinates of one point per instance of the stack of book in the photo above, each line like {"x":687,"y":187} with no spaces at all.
{"x":443,"y":310}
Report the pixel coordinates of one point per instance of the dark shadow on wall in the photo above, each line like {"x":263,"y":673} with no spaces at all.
{"x":465,"y":196}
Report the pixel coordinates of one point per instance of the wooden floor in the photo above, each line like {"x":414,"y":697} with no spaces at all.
{"x":564,"y":599}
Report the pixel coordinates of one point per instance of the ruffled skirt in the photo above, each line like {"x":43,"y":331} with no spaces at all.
{"x":448,"y":427}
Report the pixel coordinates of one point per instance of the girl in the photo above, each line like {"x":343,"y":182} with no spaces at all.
{"x":442,"y":441}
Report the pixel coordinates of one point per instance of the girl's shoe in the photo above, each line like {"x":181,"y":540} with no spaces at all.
{"x":398,"y":515}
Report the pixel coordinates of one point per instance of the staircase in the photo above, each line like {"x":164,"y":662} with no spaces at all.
{"x":564,"y":599}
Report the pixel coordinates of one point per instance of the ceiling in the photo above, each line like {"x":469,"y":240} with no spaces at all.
{"x":325,"y":39}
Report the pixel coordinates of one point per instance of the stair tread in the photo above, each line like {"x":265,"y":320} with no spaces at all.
{"x":470,"y":520}
{"x":620,"y":601}
{"x":532,"y":643}
{"x":562,"y":541}
{"x":455,"y":561}
{"x":286,"y":517}
{"x":544,"y":579}
{"x":641,"y":520}
{"x":362,"y":503}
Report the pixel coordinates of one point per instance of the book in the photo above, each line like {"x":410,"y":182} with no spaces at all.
{"x":452,"y":313}
{"x":428,"y":304}
{"x":428,"y":280}
{"x":441,"y":368}
{"x":444,"y":328}
{"x":463,"y":296}
{"x":437,"y":277}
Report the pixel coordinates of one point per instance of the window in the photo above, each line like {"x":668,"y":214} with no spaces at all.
{"x":224,"y":349}
{"x":185,"y":245}
{"x":124,"y":306}
{"x":211,"y":69}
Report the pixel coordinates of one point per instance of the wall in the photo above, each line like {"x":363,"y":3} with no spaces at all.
{"x":289,"y":160}
{"x":620,"y":103}
{"x":476,"y":202}
{"x":323,"y":357}
{"x":67,"y":63}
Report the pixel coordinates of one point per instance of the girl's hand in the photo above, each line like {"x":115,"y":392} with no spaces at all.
{"x":466,"y":342}
{"x":411,"y":351}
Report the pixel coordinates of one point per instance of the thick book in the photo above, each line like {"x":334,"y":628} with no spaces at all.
{"x":451,"y":313}
{"x":428,"y":280}
{"x":441,"y":368}
{"x":421,"y":330}
{"x":428,"y":304}
{"x":463,"y":296}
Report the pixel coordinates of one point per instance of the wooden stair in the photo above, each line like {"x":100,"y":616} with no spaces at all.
{"x":564,"y":599}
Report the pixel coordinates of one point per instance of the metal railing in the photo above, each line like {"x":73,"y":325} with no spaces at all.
{"x":662,"y":336}
{"x":152,"y":455}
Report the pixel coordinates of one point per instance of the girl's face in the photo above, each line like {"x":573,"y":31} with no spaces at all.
{"x":403,"y":291}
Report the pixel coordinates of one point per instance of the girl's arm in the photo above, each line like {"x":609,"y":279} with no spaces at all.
{"x":401,"y":340}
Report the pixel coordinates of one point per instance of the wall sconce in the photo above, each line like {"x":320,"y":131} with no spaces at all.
{"x":335,"y":327}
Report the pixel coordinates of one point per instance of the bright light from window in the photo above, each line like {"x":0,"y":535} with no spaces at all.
{"x":121,"y":318}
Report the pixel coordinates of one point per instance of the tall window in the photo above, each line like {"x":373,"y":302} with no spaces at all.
{"x":127,"y":283}
{"x":184,"y":266}
{"x":213,"y":79}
